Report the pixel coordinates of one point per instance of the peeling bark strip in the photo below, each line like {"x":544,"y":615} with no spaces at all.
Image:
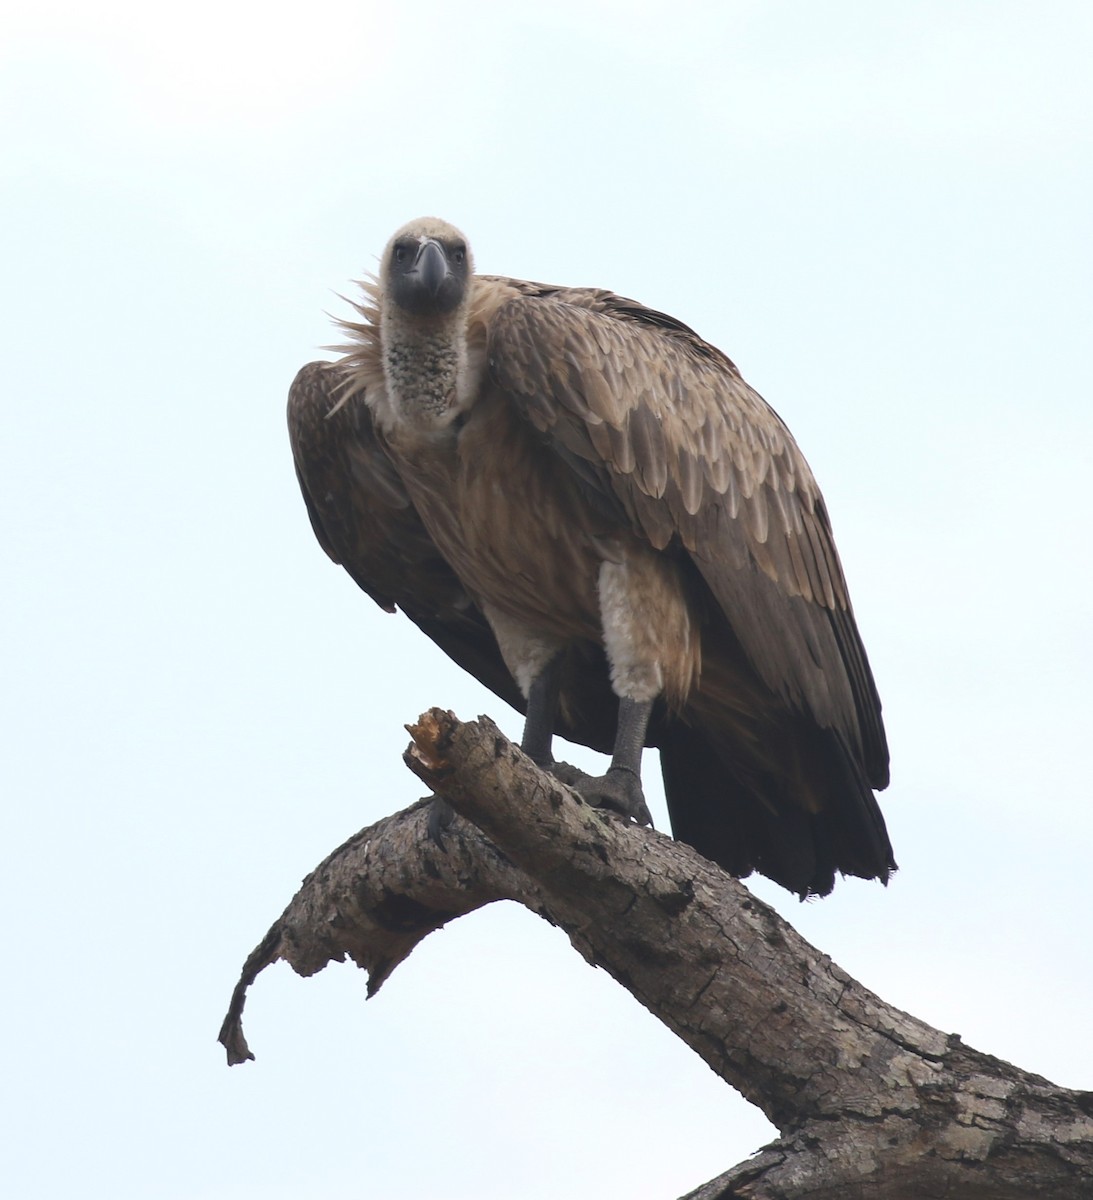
{"x":870,"y":1102}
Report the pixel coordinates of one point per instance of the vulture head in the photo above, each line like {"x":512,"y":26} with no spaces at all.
{"x":426,"y":268}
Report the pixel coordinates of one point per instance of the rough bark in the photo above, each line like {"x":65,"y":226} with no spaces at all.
{"x":870,"y":1102}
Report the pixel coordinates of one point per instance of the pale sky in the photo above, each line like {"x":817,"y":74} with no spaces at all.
{"x":880,"y":211}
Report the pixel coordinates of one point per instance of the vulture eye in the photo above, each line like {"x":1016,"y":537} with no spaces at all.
{"x":458,"y":255}
{"x":402,"y":252}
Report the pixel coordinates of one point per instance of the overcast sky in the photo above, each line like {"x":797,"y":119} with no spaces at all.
{"x":881,"y":211}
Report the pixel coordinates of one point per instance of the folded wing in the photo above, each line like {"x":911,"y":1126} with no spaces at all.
{"x":664,"y":427}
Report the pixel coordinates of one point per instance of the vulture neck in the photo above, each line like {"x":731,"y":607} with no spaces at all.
{"x":425,"y":367}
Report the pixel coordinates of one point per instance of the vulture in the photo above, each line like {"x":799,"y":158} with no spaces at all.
{"x":586,"y":507}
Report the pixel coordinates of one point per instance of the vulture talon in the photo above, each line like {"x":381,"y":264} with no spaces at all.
{"x":618,"y":790}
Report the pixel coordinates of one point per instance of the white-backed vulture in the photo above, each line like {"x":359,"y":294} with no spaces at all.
{"x":584,"y":504}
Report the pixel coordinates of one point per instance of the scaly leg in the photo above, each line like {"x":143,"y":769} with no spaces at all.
{"x":542,"y":711}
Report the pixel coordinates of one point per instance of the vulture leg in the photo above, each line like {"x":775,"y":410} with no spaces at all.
{"x":537,"y":662}
{"x":620,"y":789}
{"x":542,"y":712}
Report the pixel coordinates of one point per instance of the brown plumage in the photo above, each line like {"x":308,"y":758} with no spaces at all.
{"x":565,"y":488}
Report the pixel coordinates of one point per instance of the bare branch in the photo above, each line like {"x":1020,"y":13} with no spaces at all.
{"x":870,"y":1101}
{"x":374,"y":899}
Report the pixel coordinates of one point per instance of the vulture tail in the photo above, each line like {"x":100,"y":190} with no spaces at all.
{"x":798,"y":823}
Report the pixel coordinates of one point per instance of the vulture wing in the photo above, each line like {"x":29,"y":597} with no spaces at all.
{"x":663,"y":427}
{"x":364,"y":520}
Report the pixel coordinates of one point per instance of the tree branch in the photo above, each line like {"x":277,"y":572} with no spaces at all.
{"x":866,"y":1097}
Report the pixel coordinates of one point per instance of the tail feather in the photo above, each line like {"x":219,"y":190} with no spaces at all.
{"x":798,"y":819}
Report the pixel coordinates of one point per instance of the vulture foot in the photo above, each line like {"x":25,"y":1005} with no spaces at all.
{"x":437,"y":821}
{"x":618,"y":790}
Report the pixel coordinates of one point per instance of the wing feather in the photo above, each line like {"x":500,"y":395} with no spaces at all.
{"x":691,"y":482}
{"x":650,"y":450}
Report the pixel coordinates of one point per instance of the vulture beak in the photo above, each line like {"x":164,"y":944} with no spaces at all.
{"x":431,"y":267}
